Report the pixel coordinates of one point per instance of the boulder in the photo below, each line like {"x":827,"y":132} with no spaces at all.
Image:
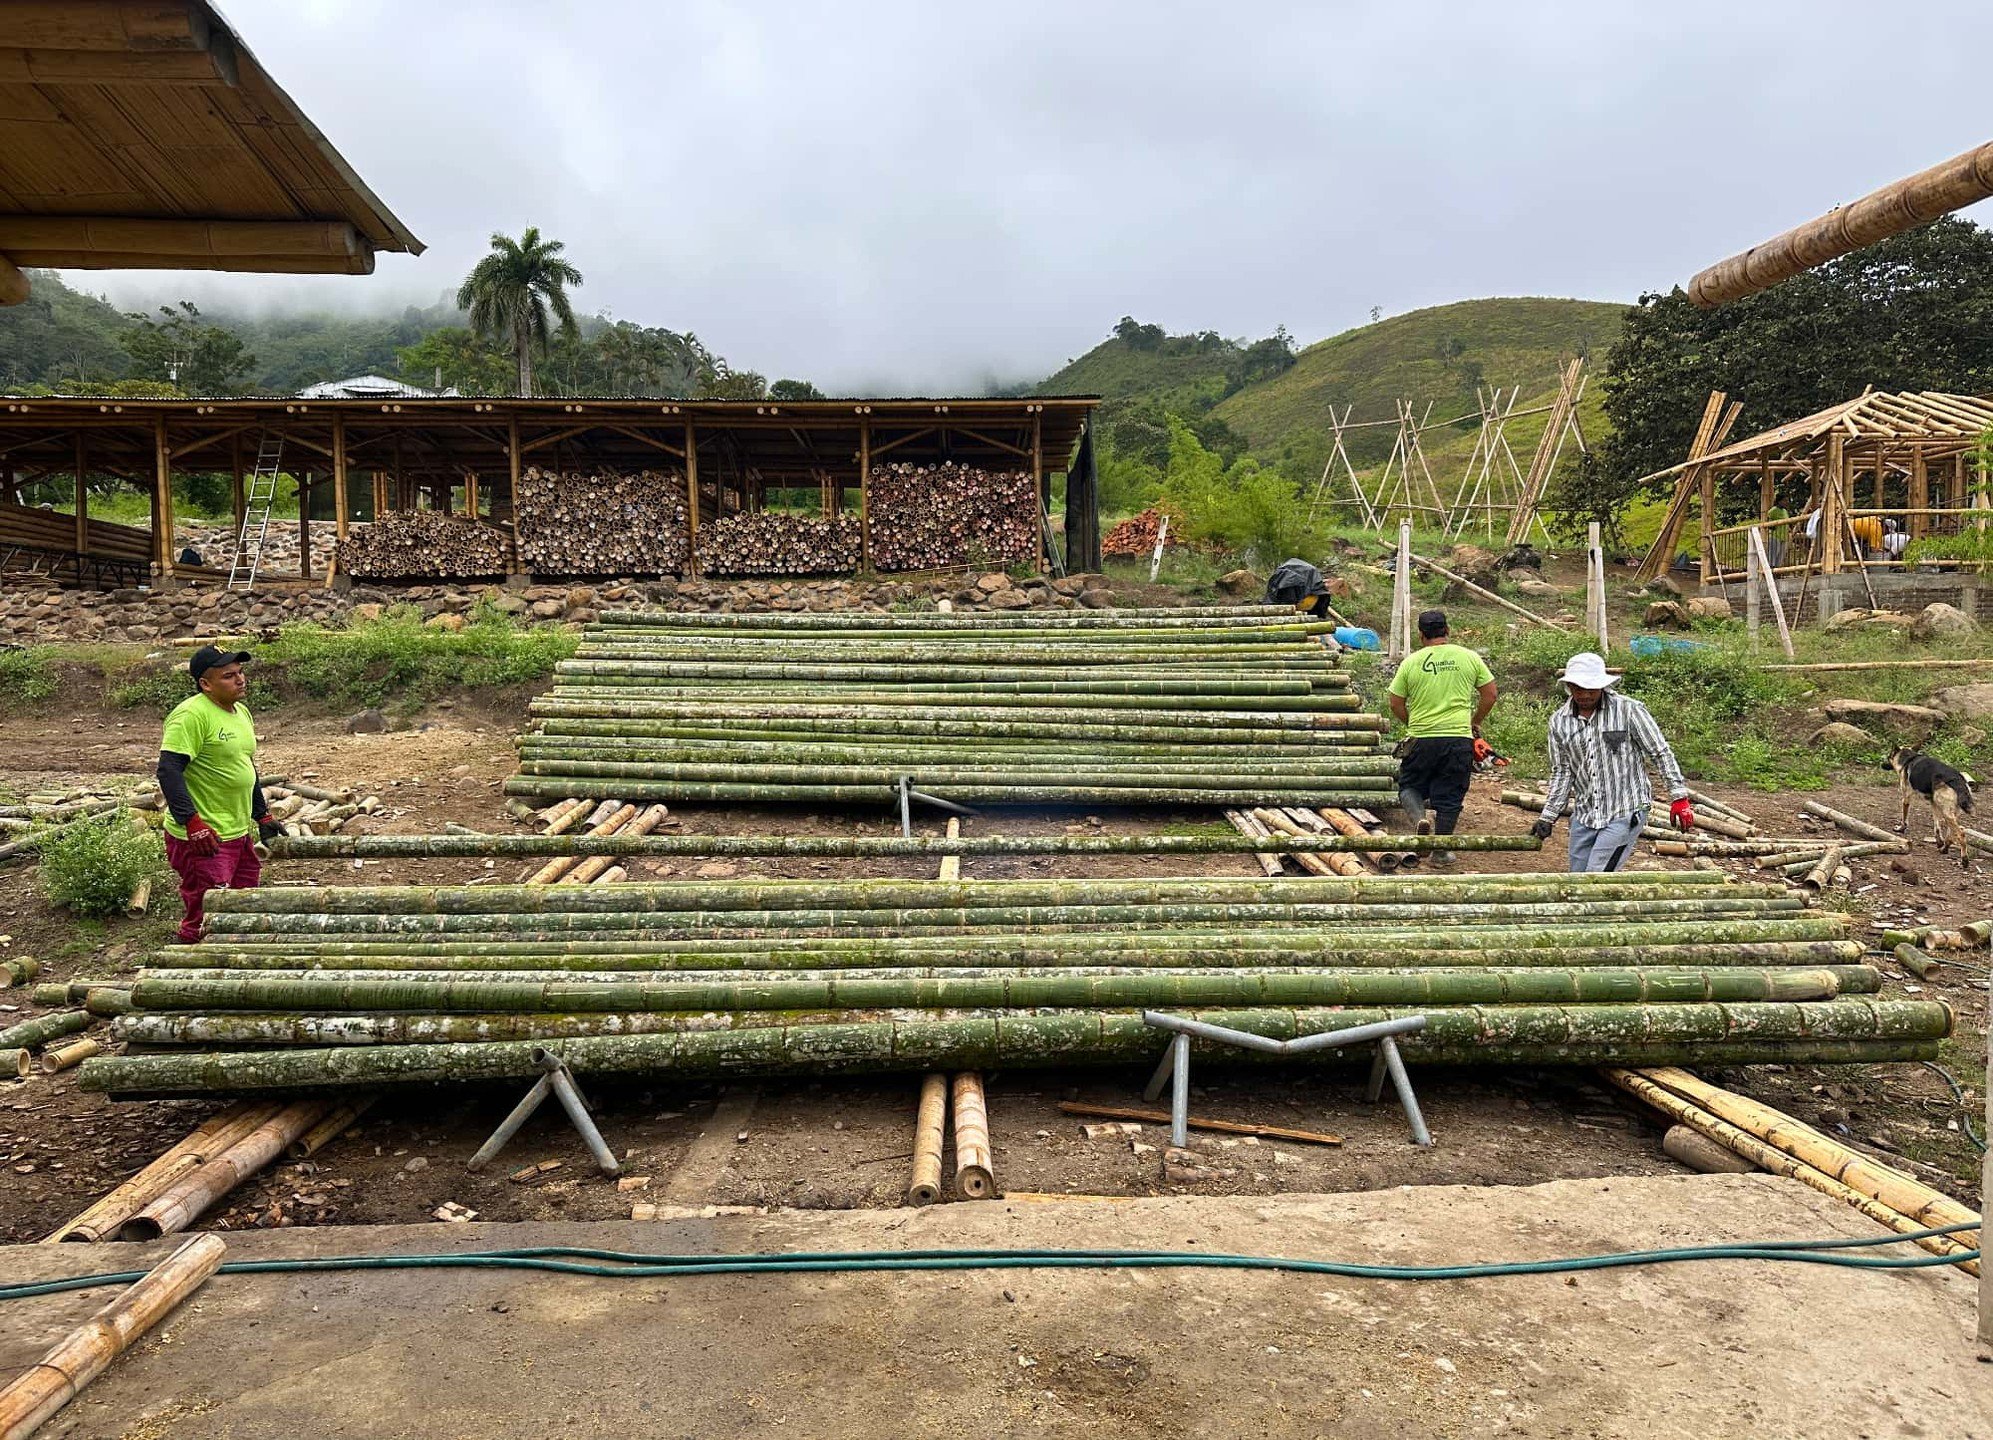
{"x":368,"y":611}
{"x":1097,"y":599}
{"x":1968,"y":702}
{"x":1940,"y":621}
{"x":367,"y":722}
{"x":1474,"y":563}
{"x":546,"y":609}
{"x":1839,"y":732}
{"x":1538,"y":589}
{"x":990,"y":584}
{"x":1665,"y":615}
{"x":1663,"y":585}
{"x":449,"y":621}
{"x":1915,"y":723}
{"x":1010,"y":599}
{"x":1708,"y":607}
{"x":1857,"y":617}
{"x":1238,"y":583}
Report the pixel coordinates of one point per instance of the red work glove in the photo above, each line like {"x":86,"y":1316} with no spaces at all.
{"x":1682,"y":815}
{"x":201,"y":837}
{"x":1483,"y":751}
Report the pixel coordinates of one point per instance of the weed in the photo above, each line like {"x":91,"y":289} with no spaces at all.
{"x":151,"y":688}
{"x":398,"y":660}
{"x":27,"y":676}
{"x":91,"y":867}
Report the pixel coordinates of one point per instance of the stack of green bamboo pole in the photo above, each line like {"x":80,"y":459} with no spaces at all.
{"x":1138,"y":707}
{"x":309,"y":987}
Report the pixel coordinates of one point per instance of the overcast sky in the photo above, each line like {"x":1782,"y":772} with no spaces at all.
{"x":922,"y":196}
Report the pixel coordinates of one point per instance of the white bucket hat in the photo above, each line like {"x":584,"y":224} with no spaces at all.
{"x":1587,"y":671}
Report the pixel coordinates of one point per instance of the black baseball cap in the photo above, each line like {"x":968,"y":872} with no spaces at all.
{"x":207,"y":657}
{"x":1432,"y":624}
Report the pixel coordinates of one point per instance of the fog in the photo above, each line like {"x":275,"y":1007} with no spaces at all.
{"x":903,"y":197}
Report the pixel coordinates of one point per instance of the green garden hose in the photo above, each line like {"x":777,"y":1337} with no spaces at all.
{"x":574,"y":1260}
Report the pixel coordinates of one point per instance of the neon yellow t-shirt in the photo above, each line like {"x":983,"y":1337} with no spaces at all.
{"x":220,"y":746}
{"x":1439,"y":686}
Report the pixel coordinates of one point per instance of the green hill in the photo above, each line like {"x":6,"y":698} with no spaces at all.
{"x":1185,"y":372}
{"x":1437,"y":355}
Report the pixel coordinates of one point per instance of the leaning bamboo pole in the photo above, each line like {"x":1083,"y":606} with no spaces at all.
{"x":79,"y":1357}
{"x":930,"y":1121}
{"x":1850,"y":823}
{"x":975,"y":1165}
{"x":213,"y":1136}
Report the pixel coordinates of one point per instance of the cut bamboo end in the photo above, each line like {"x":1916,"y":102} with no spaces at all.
{"x":213,"y":1136}
{"x":181,"y":1203}
{"x":929,"y":1129}
{"x":18,"y":1063}
{"x":33,"y":1399}
{"x":975,"y":1169}
{"x":62,"y":1057}
{"x":1697,"y":1151}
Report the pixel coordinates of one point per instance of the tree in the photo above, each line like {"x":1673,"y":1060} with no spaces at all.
{"x":457,"y":358}
{"x":178,"y":348}
{"x":1913,"y":312}
{"x":722,"y":382}
{"x":510,"y":292}
{"x":794,"y":390}
{"x":1137,"y":336}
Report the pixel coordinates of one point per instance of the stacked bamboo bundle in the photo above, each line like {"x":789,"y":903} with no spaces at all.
{"x":422,"y":545}
{"x":928,"y":517}
{"x":1137,"y":535}
{"x":572,"y":524}
{"x":1142,"y":707}
{"x":766,"y":542}
{"x":326,"y":986}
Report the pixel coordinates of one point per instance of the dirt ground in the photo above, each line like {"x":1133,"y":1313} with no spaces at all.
{"x":1707,"y":1351}
{"x":844,"y":1145}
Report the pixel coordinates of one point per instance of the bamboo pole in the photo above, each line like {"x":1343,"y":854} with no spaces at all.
{"x":32,"y":1034}
{"x":1490,"y":596}
{"x":552,"y":872}
{"x":599,"y":867}
{"x":336,"y":1123}
{"x":101,"y":1219}
{"x":186,"y":1199}
{"x":58,"y":1058}
{"x":329,"y":847}
{"x":975,"y":1166}
{"x":1849,"y":823}
{"x":930,"y":1119}
{"x":60,"y":1375}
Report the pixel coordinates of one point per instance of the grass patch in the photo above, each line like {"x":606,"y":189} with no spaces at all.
{"x":27,"y":676}
{"x":92,"y":866}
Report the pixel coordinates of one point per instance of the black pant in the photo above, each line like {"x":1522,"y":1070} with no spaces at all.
{"x":1438,"y":771}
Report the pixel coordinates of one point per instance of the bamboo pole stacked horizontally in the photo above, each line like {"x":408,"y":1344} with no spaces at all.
{"x":573,"y":524}
{"x":332,"y":986}
{"x":1243,"y":709}
{"x":926,"y":517}
{"x":423,"y":545}
{"x":766,"y":542}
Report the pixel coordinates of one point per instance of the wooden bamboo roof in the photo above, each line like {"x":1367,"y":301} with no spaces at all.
{"x":1940,"y":422}
{"x":143,"y":134}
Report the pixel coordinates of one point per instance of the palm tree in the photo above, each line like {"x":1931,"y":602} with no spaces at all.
{"x":510,"y":292}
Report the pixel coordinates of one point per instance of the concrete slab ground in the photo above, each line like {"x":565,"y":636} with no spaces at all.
{"x":1704,"y":1350}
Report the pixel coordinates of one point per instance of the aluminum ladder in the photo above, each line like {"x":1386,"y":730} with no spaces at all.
{"x":256,"y":503}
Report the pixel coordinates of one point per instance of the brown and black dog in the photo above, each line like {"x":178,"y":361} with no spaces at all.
{"x":1948,"y":790}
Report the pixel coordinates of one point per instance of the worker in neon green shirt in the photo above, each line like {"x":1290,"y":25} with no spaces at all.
{"x":207,"y":773}
{"x":1442,"y":692}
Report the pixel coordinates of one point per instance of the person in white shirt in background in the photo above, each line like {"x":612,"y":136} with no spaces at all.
{"x":1600,"y":746}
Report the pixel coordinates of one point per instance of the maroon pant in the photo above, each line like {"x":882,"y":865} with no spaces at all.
{"x":233,"y":866}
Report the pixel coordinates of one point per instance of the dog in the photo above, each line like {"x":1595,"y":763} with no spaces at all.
{"x":1949,"y":792}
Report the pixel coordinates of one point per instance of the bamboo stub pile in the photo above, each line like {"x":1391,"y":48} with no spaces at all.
{"x":343,"y":986}
{"x":767,"y":542}
{"x":1218,"y":706}
{"x":422,"y":545}
{"x":930,"y":517}
{"x":573,"y":524}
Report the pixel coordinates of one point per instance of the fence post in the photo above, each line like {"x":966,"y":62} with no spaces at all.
{"x":1751,"y":599}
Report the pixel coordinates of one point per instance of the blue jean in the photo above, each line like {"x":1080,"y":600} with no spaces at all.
{"x":1606,"y":848}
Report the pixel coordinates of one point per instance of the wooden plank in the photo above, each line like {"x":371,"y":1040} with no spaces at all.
{"x":1228,"y":1127}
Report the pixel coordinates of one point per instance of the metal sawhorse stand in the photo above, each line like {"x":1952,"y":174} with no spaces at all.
{"x":1175,"y":1066}
{"x":556,"y":1080}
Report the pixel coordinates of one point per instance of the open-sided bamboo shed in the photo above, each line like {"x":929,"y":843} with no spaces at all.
{"x":143,"y":134}
{"x":355,"y":459}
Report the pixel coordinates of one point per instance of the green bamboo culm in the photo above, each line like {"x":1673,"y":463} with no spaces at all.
{"x":31,"y":1033}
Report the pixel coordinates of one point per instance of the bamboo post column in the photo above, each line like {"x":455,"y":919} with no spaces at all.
{"x":1833,"y":505}
{"x":237,"y":499}
{"x":865,"y":494}
{"x":163,"y":490}
{"x":1920,"y":494}
{"x":1706,"y":500}
{"x":1751,"y":574}
{"x":516,"y":564}
{"x":339,"y":476}
{"x":304,"y":525}
{"x":692,"y":500}
{"x":1595,"y":607}
{"x":79,"y":1357}
{"x":1041,"y":487}
{"x":82,"y":497}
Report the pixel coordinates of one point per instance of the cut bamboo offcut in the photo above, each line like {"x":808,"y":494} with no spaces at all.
{"x":930,"y":1123}
{"x":184,"y":1201}
{"x":975,"y":1167}
{"x":210,"y":1138}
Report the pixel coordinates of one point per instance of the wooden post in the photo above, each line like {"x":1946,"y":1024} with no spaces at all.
{"x":1920,"y":494}
{"x":1401,"y":595}
{"x":518,"y":566}
{"x":1041,"y":486}
{"x":691,"y":500}
{"x":1595,"y":586}
{"x":1751,"y":574}
{"x":865,"y":494}
{"x":470,"y":494}
{"x":82,"y":498}
{"x":1707,"y":496}
{"x":163,"y":481}
{"x":339,"y":476}
{"x":236,"y":496}
{"x":1767,"y":488}
{"x":1833,"y":505}
{"x":304,"y":524}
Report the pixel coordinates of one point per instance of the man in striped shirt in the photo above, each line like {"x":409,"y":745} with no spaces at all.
{"x":1600,"y":747}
